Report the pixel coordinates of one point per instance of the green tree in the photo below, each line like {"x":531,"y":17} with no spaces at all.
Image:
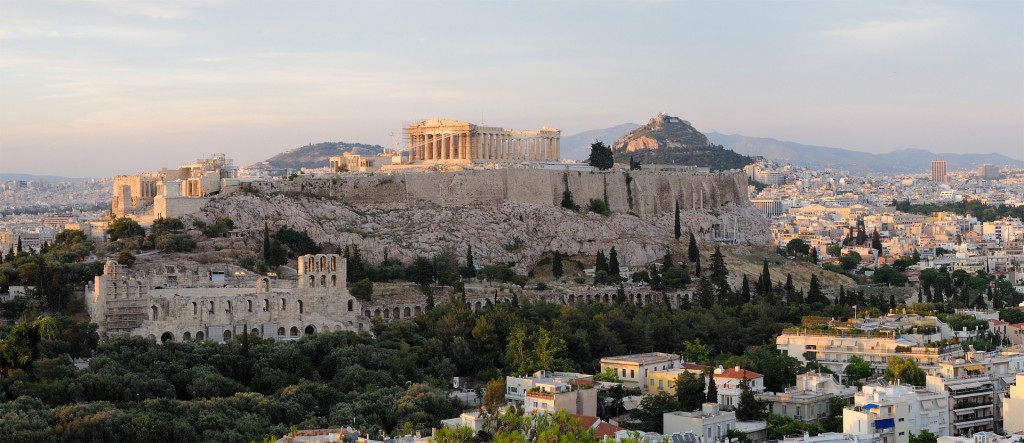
{"x":856,"y":369}
{"x":613,"y":263}
{"x":695,"y":351}
{"x":689,"y":391}
{"x":814,"y":294}
{"x":705,"y":293}
{"x":556,"y":265}
{"x":764,"y":283}
{"x":363,"y":289}
{"x":924,"y":437}
{"x":905,"y":370}
{"x":719,"y":272}
{"x":124,"y":228}
{"x":610,"y":375}
{"x":691,"y":251}
{"x":469,"y":271}
{"x":749,"y":407}
{"x":850,"y":260}
{"x":712,"y":394}
{"x":600,"y":156}
{"x":21,"y":346}
{"x":797,"y":246}
{"x":651,"y":411}
{"x":126,"y":258}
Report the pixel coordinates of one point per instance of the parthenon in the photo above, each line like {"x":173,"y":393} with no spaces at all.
{"x":452,"y":141}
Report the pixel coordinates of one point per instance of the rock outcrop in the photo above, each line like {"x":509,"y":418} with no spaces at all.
{"x":508,"y":215}
{"x":672,"y":140}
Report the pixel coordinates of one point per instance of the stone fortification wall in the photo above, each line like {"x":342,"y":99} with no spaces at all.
{"x":645,"y":194}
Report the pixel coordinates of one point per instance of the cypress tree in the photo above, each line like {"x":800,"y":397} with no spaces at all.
{"x":691,"y":251}
{"x":790,"y":287}
{"x":766,"y":280}
{"x":719,"y":272}
{"x":470,"y":270}
{"x":841,"y":298}
{"x":705,"y":293}
{"x":556,"y":265}
{"x":745,"y":289}
{"x":668,"y":260}
{"x":601,"y":263}
{"x":712,"y":396}
{"x":678,"y":231}
{"x":814,"y":295}
{"x":876,"y":242}
{"x":613,"y":263}
{"x":696,"y":267}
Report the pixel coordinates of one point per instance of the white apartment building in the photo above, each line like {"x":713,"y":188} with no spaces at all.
{"x":549,"y":391}
{"x":874,"y":340}
{"x":810,"y":399}
{"x":926,"y":410}
{"x":888,"y":420}
{"x":710,"y":423}
{"x":632,"y":369}
{"x":976,"y":384}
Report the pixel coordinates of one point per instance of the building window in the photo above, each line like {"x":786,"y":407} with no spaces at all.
{"x":283,"y":304}
{"x":632,"y":374}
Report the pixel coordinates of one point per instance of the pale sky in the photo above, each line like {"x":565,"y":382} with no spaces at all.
{"x":97,"y":88}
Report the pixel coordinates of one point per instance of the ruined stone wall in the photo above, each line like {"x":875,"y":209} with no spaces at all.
{"x":646,"y":194}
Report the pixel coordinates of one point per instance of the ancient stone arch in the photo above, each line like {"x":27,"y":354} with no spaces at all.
{"x":408,"y":312}
{"x":255,"y":332}
{"x":186,"y":336}
{"x":350,"y":303}
{"x":280,"y":331}
{"x":227,"y":334}
{"x":155,"y":313}
{"x":310,"y":330}
{"x":166,"y":337}
{"x":294,"y":331}
{"x":300,"y":306}
{"x":200,"y":336}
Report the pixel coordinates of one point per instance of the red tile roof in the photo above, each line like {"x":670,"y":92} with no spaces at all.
{"x":733,"y":373}
{"x":605,"y":429}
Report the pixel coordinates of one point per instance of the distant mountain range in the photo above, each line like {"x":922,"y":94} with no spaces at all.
{"x":819,"y":157}
{"x":316,"y":155}
{"x":577,"y":147}
{"x":9,"y":176}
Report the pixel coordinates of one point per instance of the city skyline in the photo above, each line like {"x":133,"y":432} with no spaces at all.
{"x":113,"y":87}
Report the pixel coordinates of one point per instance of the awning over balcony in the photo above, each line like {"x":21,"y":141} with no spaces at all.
{"x":974,"y":367}
{"x":885,"y":423}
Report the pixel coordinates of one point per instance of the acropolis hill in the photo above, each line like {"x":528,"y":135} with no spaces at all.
{"x":507,"y":215}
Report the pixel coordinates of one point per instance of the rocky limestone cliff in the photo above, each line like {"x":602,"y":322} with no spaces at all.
{"x":671,"y":140}
{"x":508,"y":216}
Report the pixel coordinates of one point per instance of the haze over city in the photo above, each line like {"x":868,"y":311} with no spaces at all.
{"x":116,"y":87}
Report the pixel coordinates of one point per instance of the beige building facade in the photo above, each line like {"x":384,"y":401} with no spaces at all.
{"x":178,"y":304}
{"x":451,"y":141}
